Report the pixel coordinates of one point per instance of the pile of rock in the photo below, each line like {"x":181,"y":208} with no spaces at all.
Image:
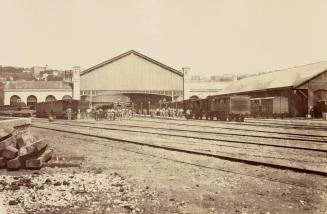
{"x":20,"y":149}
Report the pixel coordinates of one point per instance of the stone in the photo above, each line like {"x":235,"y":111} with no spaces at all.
{"x":13,"y":202}
{"x":65,"y":183}
{"x":58,"y":183}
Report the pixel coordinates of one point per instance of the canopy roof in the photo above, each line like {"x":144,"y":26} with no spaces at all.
{"x":291,"y":77}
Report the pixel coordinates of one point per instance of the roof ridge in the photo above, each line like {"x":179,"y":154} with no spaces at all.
{"x":281,"y":69}
{"x":126,"y":54}
{"x":295,"y":66}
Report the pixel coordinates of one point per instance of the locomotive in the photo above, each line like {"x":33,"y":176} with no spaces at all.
{"x":58,"y":108}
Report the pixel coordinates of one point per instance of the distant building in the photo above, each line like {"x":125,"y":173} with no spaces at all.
{"x":203,"y":86}
{"x":31,"y":92}
{"x":38,"y":69}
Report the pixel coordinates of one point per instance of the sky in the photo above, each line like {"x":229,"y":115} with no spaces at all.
{"x":209,"y":36}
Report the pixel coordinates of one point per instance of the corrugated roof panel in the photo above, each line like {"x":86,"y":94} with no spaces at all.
{"x":291,"y":77}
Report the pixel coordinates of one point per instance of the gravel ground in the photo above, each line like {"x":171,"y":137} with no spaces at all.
{"x":123,"y":178}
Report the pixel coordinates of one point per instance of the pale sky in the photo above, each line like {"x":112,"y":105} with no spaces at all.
{"x":210,"y":36}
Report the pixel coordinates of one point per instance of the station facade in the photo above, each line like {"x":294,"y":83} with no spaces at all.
{"x":131,"y":78}
{"x":304,"y":88}
{"x":31,"y":92}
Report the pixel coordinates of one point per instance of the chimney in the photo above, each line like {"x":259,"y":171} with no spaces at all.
{"x":76,"y":83}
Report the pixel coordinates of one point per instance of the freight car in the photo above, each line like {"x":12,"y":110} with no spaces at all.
{"x":200,"y":109}
{"x":220,"y":107}
{"x":18,"y":110}
{"x":270,"y":107}
{"x":230,"y":108}
{"x":58,"y":108}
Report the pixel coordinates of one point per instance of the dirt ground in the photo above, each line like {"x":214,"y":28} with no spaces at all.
{"x":117,"y":177}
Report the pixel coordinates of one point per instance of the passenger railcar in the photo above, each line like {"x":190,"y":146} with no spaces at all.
{"x":270,"y":107}
{"x":200,"y":109}
{"x":230,"y":108}
{"x":58,"y":108}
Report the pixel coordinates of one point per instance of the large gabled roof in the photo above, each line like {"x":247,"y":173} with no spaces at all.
{"x":286,"y":78}
{"x":126,"y":54}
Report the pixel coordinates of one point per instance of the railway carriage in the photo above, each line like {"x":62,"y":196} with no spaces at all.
{"x":58,"y":108}
{"x":270,"y":107}
{"x":220,"y":107}
{"x":200,"y":109}
{"x":235,"y":107}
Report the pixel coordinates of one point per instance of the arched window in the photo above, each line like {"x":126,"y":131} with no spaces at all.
{"x":66,"y":97}
{"x":14,"y":100}
{"x":50,"y":98}
{"x":31,"y":101}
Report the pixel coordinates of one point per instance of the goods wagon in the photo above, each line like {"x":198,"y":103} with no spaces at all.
{"x":18,"y":110}
{"x":200,"y":109}
{"x":269,"y":107}
{"x":58,"y":108}
{"x":229,"y":108}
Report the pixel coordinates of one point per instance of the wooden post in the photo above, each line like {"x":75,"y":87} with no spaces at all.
{"x":32,"y":148}
{"x":310,"y":100}
{"x":24,"y":139}
{"x":2,"y":162}
{"x":9,"y":152}
{"x":10,"y":141}
{"x":14,"y":163}
{"x":38,"y":163}
{"x":4,"y":132}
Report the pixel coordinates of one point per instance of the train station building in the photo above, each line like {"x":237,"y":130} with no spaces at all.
{"x":32,"y":92}
{"x":303,"y":87}
{"x":131,"y":78}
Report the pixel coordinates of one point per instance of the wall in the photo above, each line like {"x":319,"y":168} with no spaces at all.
{"x":314,"y":85}
{"x":41,"y":94}
{"x":131,"y":73}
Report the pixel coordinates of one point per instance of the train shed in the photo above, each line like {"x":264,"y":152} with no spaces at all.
{"x":304,"y":88}
{"x":131,"y":78}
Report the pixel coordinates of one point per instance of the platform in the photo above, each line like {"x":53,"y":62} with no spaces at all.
{"x":12,"y":122}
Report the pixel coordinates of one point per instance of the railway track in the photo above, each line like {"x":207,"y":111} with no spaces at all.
{"x":231,"y":126}
{"x":269,"y":161}
{"x":222,"y":168}
{"x":301,"y":122}
{"x":230,"y":138}
{"x":259,"y":123}
{"x":286,"y":125}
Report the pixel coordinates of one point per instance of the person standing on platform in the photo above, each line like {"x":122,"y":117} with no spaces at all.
{"x":187,"y":114}
{"x":69,"y":113}
{"x":88,"y":113}
{"x":96,"y":114}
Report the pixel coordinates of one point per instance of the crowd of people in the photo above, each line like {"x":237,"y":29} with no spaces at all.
{"x":112,"y":114}
{"x":128,"y":113}
{"x":165,"y":112}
